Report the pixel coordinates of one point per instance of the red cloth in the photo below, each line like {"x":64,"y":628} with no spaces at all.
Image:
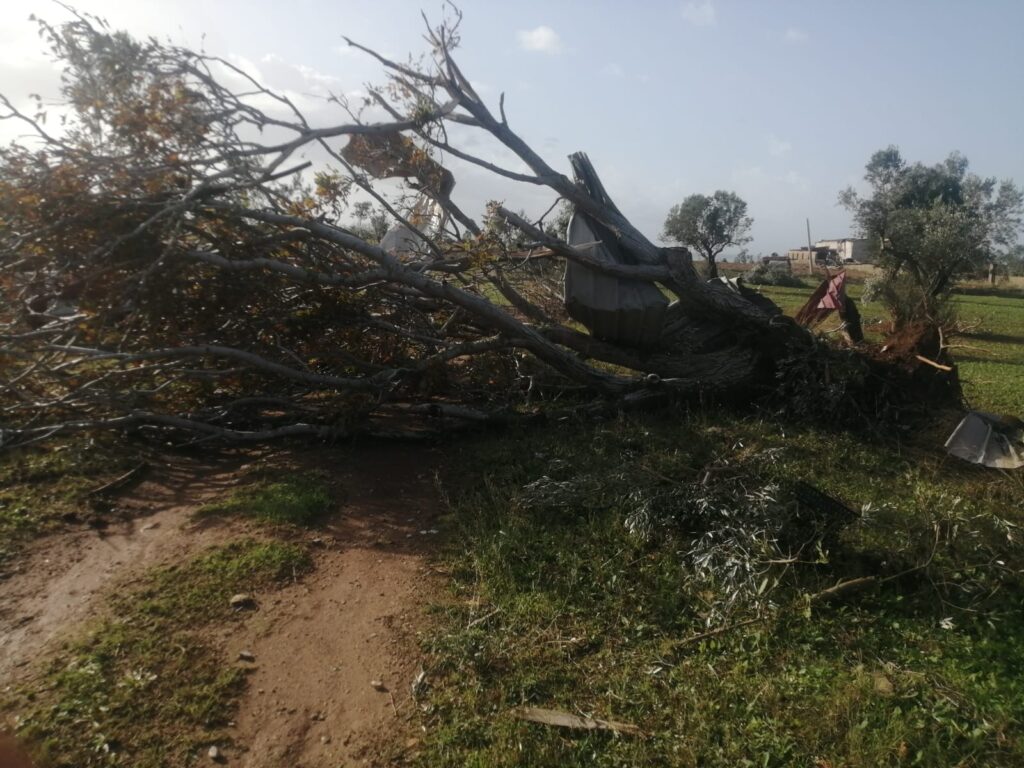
{"x":835,"y":294}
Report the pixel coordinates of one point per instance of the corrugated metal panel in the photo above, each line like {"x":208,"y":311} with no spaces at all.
{"x":630,"y":312}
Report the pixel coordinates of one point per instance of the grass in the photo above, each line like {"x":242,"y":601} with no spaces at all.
{"x":145,"y":688}
{"x":560,"y":605}
{"x":300,"y":501}
{"x":42,"y":486}
{"x":577,"y":587}
{"x":991,"y":359}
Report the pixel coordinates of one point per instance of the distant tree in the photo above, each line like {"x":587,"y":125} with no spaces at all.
{"x":380,"y":222}
{"x":709,"y":225}
{"x":371,"y":223}
{"x":362,"y":211}
{"x":1012,"y":261}
{"x":929,"y":226}
{"x":501,"y":232}
{"x":559,"y":225}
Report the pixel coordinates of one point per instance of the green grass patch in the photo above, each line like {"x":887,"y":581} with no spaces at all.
{"x":301,"y":501}
{"x":145,"y":688}
{"x":561,"y":603}
{"x":41,"y":486}
{"x":990,"y":354}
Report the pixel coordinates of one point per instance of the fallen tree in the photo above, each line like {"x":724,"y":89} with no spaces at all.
{"x":171,"y":260}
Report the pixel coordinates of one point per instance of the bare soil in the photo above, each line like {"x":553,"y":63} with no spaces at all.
{"x":335,"y":654}
{"x":60,"y":580}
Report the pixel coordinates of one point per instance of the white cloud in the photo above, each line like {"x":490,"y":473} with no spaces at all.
{"x":795,"y":35}
{"x":613,"y":70}
{"x":699,"y":14}
{"x":796,"y":180}
{"x":543,"y":39}
{"x":778,"y":147}
{"x":754,"y":180}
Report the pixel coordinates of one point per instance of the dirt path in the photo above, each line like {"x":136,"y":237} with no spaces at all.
{"x":318,"y":645}
{"x":61,"y":579}
{"x":322,"y":643}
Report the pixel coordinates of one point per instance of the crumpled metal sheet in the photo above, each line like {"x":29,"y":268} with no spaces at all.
{"x":616,"y":309}
{"x":989,"y":440}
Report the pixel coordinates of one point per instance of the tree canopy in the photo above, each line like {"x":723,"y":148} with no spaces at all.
{"x":709,"y":225}
{"x":930,"y":225}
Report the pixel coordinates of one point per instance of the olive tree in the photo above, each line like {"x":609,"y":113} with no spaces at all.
{"x":930,"y":225}
{"x":709,"y":225}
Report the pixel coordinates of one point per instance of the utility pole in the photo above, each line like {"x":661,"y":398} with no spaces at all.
{"x":810,"y":251}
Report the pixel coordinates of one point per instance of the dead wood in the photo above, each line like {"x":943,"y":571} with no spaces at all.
{"x":562,"y":719}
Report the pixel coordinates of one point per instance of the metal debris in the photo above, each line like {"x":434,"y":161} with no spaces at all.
{"x":989,"y":440}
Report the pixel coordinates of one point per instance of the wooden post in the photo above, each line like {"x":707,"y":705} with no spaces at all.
{"x":810,"y":251}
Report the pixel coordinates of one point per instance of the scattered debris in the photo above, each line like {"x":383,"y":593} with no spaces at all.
{"x":989,"y":440}
{"x":482,"y":619}
{"x":844,"y":588}
{"x":419,"y":683}
{"x":830,"y":296}
{"x":719,"y":631}
{"x":121,"y":481}
{"x":933,"y":364}
{"x":562,"y":719}
{"x":243,"y":601}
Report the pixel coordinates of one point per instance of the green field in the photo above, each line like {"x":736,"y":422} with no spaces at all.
{"x":663,"y":570}
{"x":625,"y":571}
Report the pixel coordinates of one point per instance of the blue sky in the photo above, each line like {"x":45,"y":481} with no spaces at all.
{"x":782,"y":102}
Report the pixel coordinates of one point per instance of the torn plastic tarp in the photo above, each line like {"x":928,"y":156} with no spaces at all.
{"x":989,"y":440}
{"x":830,"y":296}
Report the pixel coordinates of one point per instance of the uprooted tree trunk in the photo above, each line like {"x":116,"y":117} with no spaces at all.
{"x":171,"y":261}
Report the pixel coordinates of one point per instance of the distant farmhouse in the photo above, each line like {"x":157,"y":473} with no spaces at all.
{"x":848,"y":250}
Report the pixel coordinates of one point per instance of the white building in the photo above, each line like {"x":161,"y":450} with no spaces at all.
{"x":847,"y":250}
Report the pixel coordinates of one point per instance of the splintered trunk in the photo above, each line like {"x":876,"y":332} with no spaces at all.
{"x":718,"y":336}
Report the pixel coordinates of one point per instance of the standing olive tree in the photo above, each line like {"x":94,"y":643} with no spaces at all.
{"x":930,"y":225}
{"x":709,"y":225}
